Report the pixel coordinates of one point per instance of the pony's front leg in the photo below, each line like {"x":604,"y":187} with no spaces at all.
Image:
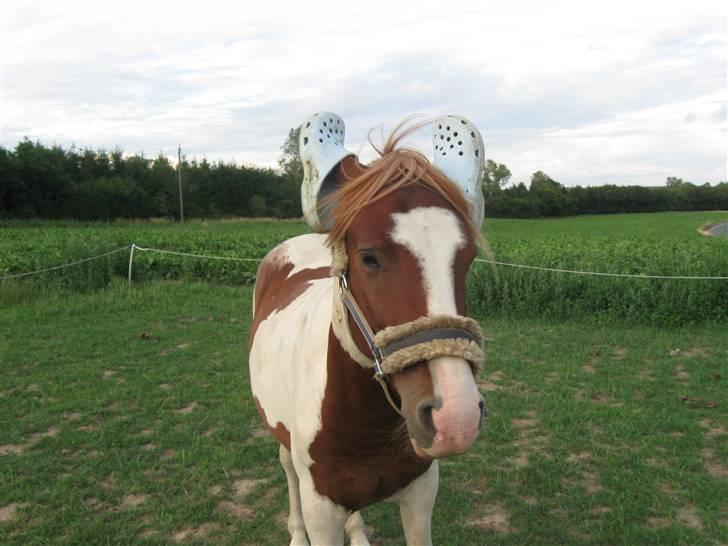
{"x":415,"y":506}
{"x":325,"y":520}
{"x":295,"y":517}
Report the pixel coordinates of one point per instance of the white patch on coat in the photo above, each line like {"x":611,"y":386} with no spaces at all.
{"x":433,"y":235}
{"x":288,"y":355}
{"x":307,"y":251}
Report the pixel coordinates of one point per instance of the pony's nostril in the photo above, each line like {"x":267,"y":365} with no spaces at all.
{"x":483,"y":411}
{"x":424,"y":415}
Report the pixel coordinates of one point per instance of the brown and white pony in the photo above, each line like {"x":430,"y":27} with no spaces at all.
{"x":409,"y":242}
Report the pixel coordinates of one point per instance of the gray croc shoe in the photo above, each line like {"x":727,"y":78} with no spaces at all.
{"x":321,"y":148}
{"x":458,"y":152}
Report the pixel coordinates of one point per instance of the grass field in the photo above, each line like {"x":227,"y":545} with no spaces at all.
{"x":127,"y":419}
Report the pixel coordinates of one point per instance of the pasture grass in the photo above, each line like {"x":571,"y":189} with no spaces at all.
{"x":127,"y":419}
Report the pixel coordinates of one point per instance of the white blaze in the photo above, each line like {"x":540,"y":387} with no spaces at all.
{"x":433,"y":235}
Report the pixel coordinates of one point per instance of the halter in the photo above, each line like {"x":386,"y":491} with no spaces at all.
{"x":397,"y":348}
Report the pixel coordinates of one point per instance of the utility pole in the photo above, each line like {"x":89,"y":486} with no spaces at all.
{"x":179,"y":178}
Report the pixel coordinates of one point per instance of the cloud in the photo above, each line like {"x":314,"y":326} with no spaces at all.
{"x":621,"y":94}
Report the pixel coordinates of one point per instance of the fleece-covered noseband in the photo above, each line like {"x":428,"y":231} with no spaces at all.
{"x":396,"y":348}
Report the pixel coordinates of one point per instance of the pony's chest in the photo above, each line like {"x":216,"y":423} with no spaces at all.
{"x":358,"y":481}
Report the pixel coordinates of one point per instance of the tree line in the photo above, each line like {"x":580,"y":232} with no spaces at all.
{"x":37,"y":181}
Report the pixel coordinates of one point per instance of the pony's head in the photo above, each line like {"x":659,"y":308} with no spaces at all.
{"x":404,"y":238}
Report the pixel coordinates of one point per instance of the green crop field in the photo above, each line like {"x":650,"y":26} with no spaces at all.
{"x":641,"y":244}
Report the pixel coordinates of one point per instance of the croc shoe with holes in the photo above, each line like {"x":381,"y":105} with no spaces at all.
{"x":458,"y":153}
{"x":321,"y":149}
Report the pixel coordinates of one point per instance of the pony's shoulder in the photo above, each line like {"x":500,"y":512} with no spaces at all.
{"x":307,"y":251}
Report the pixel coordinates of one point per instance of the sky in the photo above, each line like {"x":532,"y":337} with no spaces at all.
{"x":589,"y":92}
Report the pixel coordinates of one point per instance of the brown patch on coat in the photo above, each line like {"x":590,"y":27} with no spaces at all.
{"x":360,"y":454}
{"x":275,"y":290}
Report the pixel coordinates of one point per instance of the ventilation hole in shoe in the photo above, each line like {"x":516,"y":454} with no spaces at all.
{"x":448,"y":139}
{"x":460,"y":152}
{"x":331,"y":130}
{"x":452,"y":146}
{"x":439,"y":126}
{"x":308,"y":124}
{"x":460,"y":142}
{"x":331,"y":120}
{"x":305,"y":140}
{"x":477,"y":153}
{"x":321,"y":140}
{"x":472,"y":134}
{"x":455,"y":133}
{"x":328,"y":136}
{"x":443,"y":153}
{"x":463,"y":122}
{"x":442,"y":137}
{"x":321,"y":131}
{"x":448,"y":127}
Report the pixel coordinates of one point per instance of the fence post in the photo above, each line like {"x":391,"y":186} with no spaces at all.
{"x":131,"y":259}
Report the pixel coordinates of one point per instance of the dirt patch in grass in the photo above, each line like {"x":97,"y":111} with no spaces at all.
{"x":10,"y":512}
{"x":713,"y":430}
{"x":712,"y":464}
{"x":187,"y":409}
{"x":235,"y":509}
{"x":599,"y":510}
{"x":579,"y":457}
{"x":619,"y":353}
{"x":132,"y":501}
{"x":589,"y":368}
{"x":107,"y":374}
{"x":491,"y":382}
{"x":658,"y":522}
{"x":688,"y":516}
{"x":603,"y":399}
{"x":235,"y":506}
{"x":241,"y":488}
{"x":18,"y":449}
{"x":201,"y":532}
{"x":495,"y":519}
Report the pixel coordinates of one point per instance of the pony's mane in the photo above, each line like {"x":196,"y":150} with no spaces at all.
{"x":396,"y":168}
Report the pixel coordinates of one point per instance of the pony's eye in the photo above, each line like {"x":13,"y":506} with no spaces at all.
{"x":370,"y":261}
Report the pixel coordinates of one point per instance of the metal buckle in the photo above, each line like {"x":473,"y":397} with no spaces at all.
{"x":378,"y":372}
{"x":343,"y":285}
